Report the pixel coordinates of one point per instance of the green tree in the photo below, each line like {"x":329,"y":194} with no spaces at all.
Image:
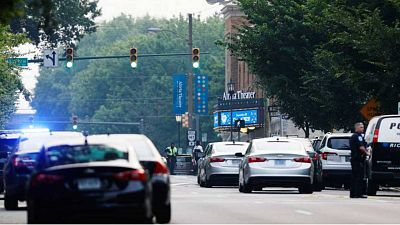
{"x":10,"y":81}
{"x":321,"y":60}
{"x":50,"y":23}
{"x":110,"y":90}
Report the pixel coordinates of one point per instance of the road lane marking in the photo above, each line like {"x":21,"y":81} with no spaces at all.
{"x":304,"y":212}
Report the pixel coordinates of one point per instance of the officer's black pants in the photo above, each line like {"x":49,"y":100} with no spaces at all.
{"x":357,"y":179}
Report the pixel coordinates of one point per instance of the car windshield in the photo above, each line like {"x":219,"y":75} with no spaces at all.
{"x":340,"y":143}
{"x":230,"y":148}
{"x":279,"y":147}
{"x":66,"y":154}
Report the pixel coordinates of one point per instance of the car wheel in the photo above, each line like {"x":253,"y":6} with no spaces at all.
{"x":306,"y":189}
{"x":207,"y":183}
{"x":372,"y":188}
{"x":240,"y":188}
{"x":10,"y":203}
{"x":34,"y":217}
{"x":164,"y":215}
{"x":318,"y":187}
{"x":247,"y":188}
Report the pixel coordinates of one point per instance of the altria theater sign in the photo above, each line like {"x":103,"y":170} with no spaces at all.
{"x":239,"y":95}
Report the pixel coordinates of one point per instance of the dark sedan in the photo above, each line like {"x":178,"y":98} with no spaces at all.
{"x":89,"y":181}
{"x":21,"y":163}
{"x":152,"y":161}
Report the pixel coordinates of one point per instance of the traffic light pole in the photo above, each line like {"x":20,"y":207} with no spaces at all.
{"x":190,"y":74}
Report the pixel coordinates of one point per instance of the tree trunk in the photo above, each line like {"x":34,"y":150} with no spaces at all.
{"x":307,"y":130}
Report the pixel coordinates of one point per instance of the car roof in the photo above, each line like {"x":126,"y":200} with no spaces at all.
{"x":130,"y":139}
{"x":229,"y":143}
{"x":386,"y":116}
{"x":73,"y":141}
{"x":339,"y":134}
{"x":33,"y":142}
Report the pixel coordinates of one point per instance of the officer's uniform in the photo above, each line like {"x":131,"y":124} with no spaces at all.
{"x":357,"y":165}
{"x":171,"y":158}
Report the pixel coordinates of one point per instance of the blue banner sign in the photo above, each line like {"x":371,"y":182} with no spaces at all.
{"x":249,"y":116}
{"x":179,"y":99}
{"x":201,"y":94}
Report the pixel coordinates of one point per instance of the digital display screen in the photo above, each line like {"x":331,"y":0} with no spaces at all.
{"x":250,"y":116}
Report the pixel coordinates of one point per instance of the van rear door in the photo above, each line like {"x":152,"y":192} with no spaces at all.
{"x":386,"y":145}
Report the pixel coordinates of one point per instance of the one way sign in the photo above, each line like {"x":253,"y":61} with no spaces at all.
{"x":50,"y":58}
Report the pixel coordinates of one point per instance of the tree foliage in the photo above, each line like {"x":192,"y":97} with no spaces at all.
{"x":10,"y":81}
{"x":322,"y":60}
{"x":110,"y":90}
{"x":49,"y":23}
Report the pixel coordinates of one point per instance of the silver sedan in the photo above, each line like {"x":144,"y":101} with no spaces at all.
{"x":220,"y":163}
{"x":276,"y":162}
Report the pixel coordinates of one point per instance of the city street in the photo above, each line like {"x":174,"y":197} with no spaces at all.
{"x":192,"y":204}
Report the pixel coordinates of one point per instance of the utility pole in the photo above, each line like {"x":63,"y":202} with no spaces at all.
{"x":190,"y":74}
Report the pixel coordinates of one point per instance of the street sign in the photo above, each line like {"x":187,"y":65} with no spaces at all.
{"x":370,"y":109}
{"x":50,"y":58}
{"x":191,"y":143}
{"x":179,"y":92}
{"x":22,"y":62}
{"x":191,"y":135}
{"x":201,"y":94}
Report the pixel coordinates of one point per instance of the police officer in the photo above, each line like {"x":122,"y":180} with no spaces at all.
{"x":359,"y":153}
{"x":171,"y":152}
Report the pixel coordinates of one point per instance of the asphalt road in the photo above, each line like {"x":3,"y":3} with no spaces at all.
{"x":192,"y":204}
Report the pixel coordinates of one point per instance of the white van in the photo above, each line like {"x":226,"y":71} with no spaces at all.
{"x":383,"y":138}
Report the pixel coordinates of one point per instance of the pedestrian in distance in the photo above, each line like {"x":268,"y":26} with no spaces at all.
{"x":171,"y":152}
{"x":359,"y":154}
{"x":196,"y":155}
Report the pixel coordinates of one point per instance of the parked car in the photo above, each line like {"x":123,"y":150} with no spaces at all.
{"x":276,"y":162}
{"x":317,"y":162}
{"x":184,"y":161}
{"x":90,"y":181}
{"x":383,"y":138}
{"x":335,"y":153}
{"x":8,"y":143}
{"x":21,"y":164}
{"x":220,"y":164}
{"x":151,"y":160}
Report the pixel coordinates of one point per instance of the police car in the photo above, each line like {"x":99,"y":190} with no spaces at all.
{"x":383,"y":139}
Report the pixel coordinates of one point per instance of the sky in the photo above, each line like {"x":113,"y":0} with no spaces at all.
{"x":114,"y":8}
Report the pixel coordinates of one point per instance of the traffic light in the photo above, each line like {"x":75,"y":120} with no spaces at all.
{"x":133,"y":57}
{"x":69,"y":55}
{"x":185,"y":120}
{"x":74,"y":122}
{"x":196,"y":57}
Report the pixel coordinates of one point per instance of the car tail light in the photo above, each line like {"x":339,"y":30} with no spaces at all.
{"x":46,"y":179}
{"x":302,"y":159}
{"x":23,"y":161}
{"x":376,"y":135}
{"x":216,"y":159}
{"x":160,"y":168}
{"x":254,"y":159}
{"x":324,"y":155}
{"x":131,"y":175}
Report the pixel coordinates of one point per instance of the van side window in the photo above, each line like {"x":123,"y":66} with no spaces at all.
{"x":323,"y":143}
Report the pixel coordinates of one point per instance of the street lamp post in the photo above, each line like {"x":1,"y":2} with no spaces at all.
{"x":179,"y":121}
{"x":231,"y":91}
{"x":189,"y":41}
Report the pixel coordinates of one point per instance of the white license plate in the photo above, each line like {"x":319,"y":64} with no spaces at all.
{"x":334,"y":158}
{"x":89,"y":184}
{"x":232,"y":162}
{"x":280,"y":162}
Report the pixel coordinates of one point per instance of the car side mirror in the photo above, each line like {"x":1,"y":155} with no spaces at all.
{"x":239,"y":154}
